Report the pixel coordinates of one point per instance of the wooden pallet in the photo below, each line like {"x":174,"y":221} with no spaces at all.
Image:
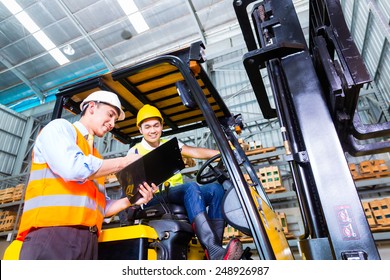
{"x":369,"y":215}
{"x":11,"y":194}
{"x":380,"y":228}
{"x":6,"y":195}
{"x":7,"y":223}
{"x":231,"y":232}
{"x":270,"y":177}
{"x":18,"y":192}
{"x":372,"y":166}
{"x":371,"y":176}
{"x":381,"y":211}
{"x":260,"y":151}
{"x":250,"y":146}
{"x":269,"y":189}
{"x":275,"y":190}
{"x":378,"y":214}
{"x":369,"y":169}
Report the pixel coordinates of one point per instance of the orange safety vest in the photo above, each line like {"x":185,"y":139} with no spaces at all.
{"x":176,"y":179}
{"x":51,"y":201}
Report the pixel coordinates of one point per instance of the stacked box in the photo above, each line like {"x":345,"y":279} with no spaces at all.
{"x":353,"y":170}
{"x":18,"y":192}
{"x":369,"y":169}
{"x":270,"y":180}
{"x":270,"y":177}
{"x":6,"y":195}
{"x":231,"y":232}
{"x":7,"y":220}
{"x":381,"y":211}
{"x":369,"y":215}
{"x":255,"y":145}
{"x":372,"y":166}
{"x":243,"y":145}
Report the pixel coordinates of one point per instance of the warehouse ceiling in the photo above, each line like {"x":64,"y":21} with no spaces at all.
{"x":85,"y":38}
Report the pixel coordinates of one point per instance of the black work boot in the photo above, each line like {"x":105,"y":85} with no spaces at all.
{"x":210,"y":242}
{"x":218,"y":226}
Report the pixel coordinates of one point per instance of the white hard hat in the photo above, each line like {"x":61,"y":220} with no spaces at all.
{"x":106,"y":97}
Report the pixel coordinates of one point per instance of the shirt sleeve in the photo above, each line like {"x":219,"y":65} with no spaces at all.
{"x":56,"y":146}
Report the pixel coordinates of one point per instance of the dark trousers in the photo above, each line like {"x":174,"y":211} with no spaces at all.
{"x":60,"y":243}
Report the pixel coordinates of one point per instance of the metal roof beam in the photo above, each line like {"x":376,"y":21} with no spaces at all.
{"x":86,"y":35}
{"x":38,"y":92}
{"x":199,"y":25}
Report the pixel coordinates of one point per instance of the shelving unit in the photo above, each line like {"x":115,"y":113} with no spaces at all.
{"x":14,"y":206}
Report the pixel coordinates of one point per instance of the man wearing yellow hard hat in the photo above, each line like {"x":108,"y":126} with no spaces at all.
{"x":65,"y":200}
{"x":203,"y":203}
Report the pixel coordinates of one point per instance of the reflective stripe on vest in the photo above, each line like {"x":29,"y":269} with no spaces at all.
{"x":51,"y":201}
{"x":176,"y":179}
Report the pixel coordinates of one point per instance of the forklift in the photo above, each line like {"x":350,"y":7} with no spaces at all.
{"x":179,"y":87}
{"x":315,"y":103}
{"x":315,"y":89}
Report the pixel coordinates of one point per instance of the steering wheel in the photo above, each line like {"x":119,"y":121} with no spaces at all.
{"x":213,"y":173}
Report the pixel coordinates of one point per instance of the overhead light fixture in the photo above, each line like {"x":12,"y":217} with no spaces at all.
{"x":34,"y":29}
{"x":59,"y":56}
{"x":45,"y":42}
{"x":68,"y":50}
{"x":27,"y":22}
{"x":134,"y":15}
{"x":12,"y":6}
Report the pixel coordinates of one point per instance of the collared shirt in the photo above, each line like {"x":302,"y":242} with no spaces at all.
{"x":56,"y":146}
{"x":150,"y":148}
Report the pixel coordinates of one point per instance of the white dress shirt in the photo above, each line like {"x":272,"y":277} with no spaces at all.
{"x":56,"y":146}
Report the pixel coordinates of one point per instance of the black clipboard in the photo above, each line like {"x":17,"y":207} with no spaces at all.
{"x":155,"y":167}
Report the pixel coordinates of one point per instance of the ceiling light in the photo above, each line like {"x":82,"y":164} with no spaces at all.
{"x":12,"y":6}
{"x":138,"y":21}
{"x":27,"y":22}
{"x":68,"y":50}
{"x":128,"y":6}
{"x":134,"y":15}
{"x":44,"y":40}
{"x":34,"y":29}
{"x":58,"y":56}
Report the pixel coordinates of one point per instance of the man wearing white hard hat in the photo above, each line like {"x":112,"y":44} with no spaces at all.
{"x":65,"y":200}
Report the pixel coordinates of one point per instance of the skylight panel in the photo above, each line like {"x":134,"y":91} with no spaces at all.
{"x":34,"y":29}
{"x":134,"y":15}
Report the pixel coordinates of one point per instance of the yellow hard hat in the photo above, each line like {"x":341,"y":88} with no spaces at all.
{"x":106,"y":97}
{"x":147,"y":112}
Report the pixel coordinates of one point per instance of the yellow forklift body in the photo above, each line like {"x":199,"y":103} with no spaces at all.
{"x":128,"y":232}
{"x":273,"y":228}
{"x":13,"y":250}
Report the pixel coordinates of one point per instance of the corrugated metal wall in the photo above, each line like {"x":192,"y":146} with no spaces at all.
{"x":369,"y":24}
{"x":12,"y":126}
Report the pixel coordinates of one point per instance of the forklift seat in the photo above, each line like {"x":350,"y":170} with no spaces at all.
{"x":160,"y":211}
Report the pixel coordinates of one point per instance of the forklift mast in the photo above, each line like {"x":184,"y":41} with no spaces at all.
{"x":315,"y":89}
